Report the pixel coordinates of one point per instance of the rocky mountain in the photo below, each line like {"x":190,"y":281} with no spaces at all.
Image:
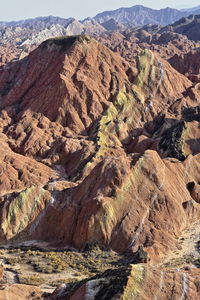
{"x":19,"y":38}
{"x":18,"y":42}
{"x":100,"y":159}
{"x":34,"y":31}
{"x":39,"y":23}
{"x":98,"y":151}
{"x":134,"y":281}
{"x":141,"y":15}
{"x":188,"y":64}
{"x":129,"y":43}
{"x":188,"y":26}
{"x":112,"y":25}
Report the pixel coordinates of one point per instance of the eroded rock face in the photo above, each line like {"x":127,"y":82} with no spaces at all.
{"x":20,"y":210}
{"x":67,"y":67}
{"x":188,"y":64}
{"x":18,"y":39}
{"x":189,"y":26}
{"x":136,"y":282}
{"x":96,"y":152}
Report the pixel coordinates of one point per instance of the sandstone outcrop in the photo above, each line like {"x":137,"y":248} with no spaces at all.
{"x":135,"y":282}
{"x":188,"y":64}
{"x":98,"y":150}
{"x":80,"y":129}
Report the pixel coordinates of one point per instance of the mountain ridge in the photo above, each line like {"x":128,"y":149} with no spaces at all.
{"x":97,"y":153}
{"x":61,"y":20}
{"x":100,"y":160}
{"x":135,"y":15}
{"x":191,"y":9}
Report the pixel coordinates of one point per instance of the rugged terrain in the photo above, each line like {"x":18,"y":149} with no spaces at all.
{"x":115,"y":29}
{"x":188,"y":64}
{"x":141,"y":15}
{"x":100,"y":164}
{"x":188,"y":26}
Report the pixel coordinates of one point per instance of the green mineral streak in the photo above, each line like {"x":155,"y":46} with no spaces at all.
{"x":107,"y":126}
{"x":127,"y":105}
{"x":22,"y":209}
{"x":145,"y":62}
{"x":132,"y":177}
{"x":135,"y":281}
{"x":106,"y":218}
{"x":104,"y":221}
{"x":183,"y":138}
{"x":126,"y":109}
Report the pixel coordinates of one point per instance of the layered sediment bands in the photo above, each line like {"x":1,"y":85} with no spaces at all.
{"x":136,"y":282}
{"x":70,"y":70}
{"x":141,"y":101}
{"x":94,"y":152}
{"x":187,"y":64}
{"x":106,"y":207}
{"x":18,"y":211}
{"x":18,"y":171}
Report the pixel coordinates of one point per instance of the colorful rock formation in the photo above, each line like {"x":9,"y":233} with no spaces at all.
{"x":135,"y":282}
{"x":95,"y":150}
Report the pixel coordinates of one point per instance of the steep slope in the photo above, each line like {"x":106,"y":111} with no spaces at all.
{"x":135,"y":282}
{"x":97,"y":152}
{"x":75,"y":79}
{"x":188,"y":64}
{"x":77,"y":107}
{"x":188,"y":26}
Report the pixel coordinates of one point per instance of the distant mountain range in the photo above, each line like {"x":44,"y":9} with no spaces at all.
{"x":191,"y":10}
{"x":141,"y":15}
{"x":189,"y":26}
{"x":18,"y":38}
{"x":135,"y":15}
{"x":41,"y":22}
